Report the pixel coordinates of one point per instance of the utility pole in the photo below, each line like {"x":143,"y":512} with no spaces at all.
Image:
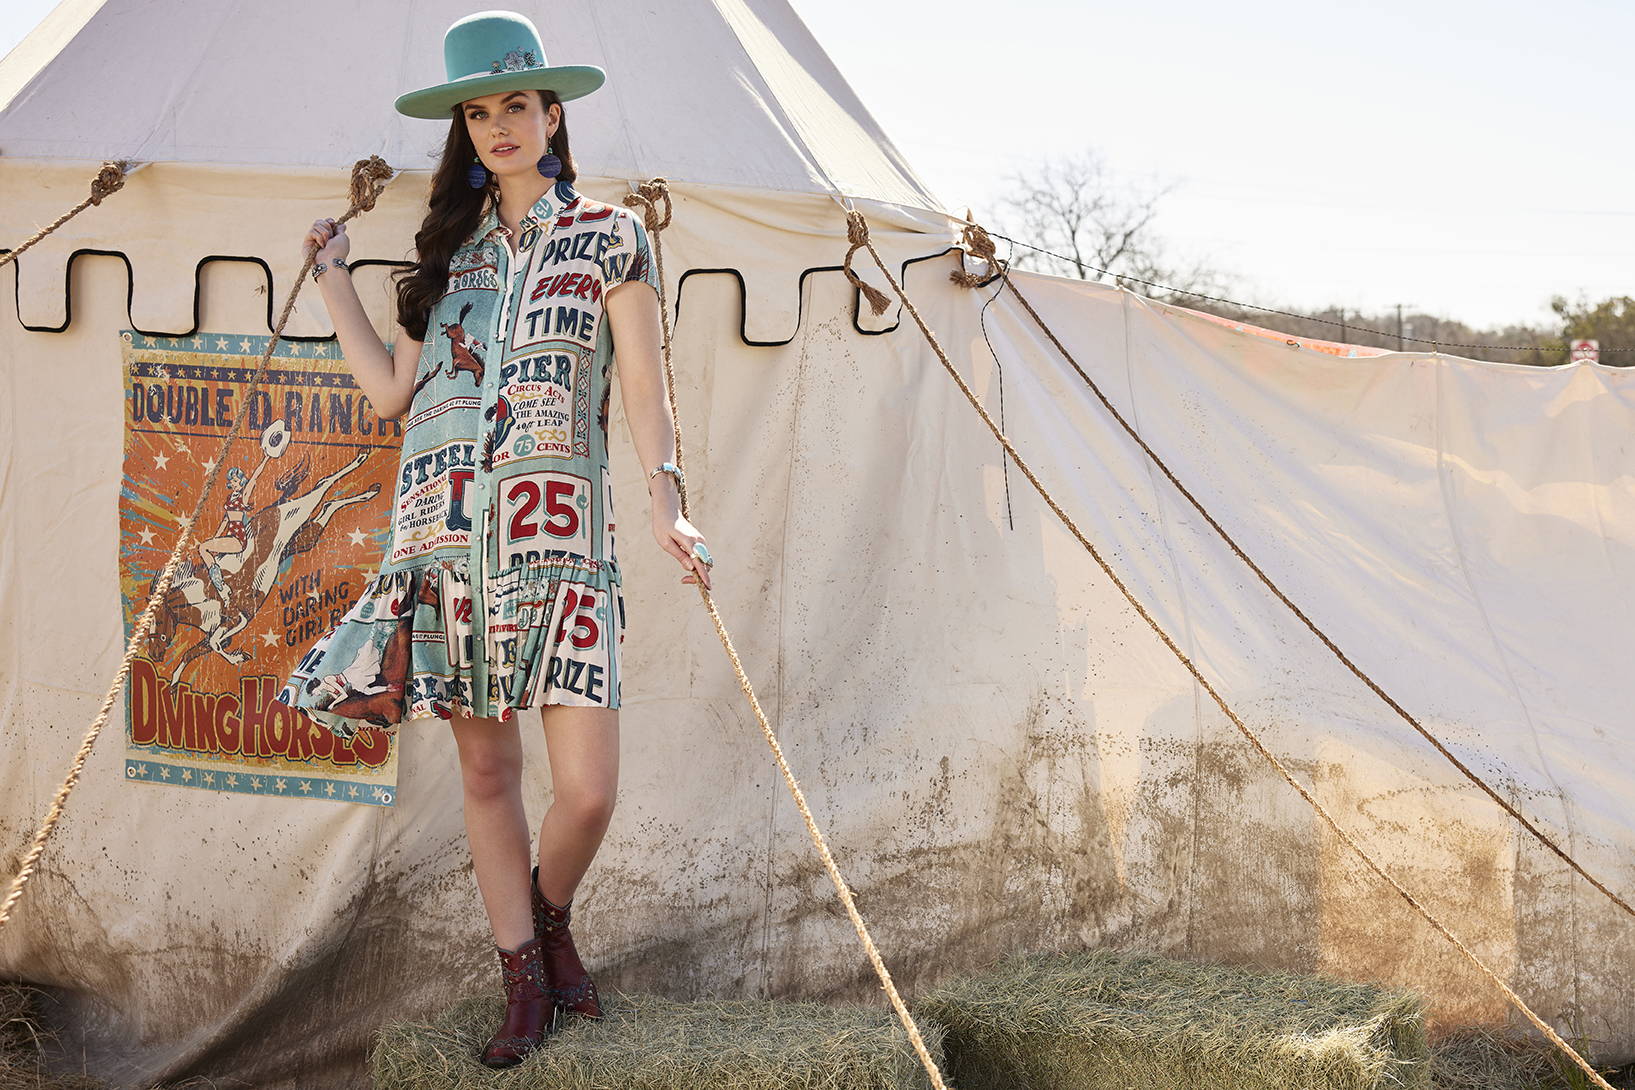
{"x":1399,"y":327}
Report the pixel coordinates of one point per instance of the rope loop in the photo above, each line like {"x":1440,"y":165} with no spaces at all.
{"x":647,"y":195}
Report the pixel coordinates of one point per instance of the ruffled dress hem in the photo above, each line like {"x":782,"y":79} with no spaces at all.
{"x":409,"y":647}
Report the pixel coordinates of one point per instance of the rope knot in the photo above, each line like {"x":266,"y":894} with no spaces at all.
{"x":857,"y":228}
{"x":857,"y":231}
{"x":979,"y":245}
{"x":109,"y":179}
{"x":369,"y":178}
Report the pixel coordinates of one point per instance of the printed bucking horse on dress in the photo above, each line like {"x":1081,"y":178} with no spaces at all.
{"x":373,"y":686}
{"x":465,"y":352}
{"x":271,"y":535}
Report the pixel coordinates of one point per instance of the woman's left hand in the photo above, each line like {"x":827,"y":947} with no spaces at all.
{"x":677,"y":536}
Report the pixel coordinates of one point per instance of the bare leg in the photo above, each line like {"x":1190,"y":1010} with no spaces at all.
{"x":213,"y":550}
{"x":496,"y":825}
{"x":583,"y":744}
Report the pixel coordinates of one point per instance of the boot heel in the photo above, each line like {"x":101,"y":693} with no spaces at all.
{"x":571,"y":987}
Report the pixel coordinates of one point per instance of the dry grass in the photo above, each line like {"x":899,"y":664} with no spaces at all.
{"x":21,"y":1037}
{"x":1100,"y":1020}
{"x":1090,"y":1020}
{"x":22,"y":1055}
{"x":648,"y":1043}
{"x":1500,"y":1058}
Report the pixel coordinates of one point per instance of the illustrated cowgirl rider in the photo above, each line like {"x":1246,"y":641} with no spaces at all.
{"x":234,"y":532}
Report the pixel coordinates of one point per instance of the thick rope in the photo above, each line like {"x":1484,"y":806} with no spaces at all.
{"x":369,"y":177}
{"x":109,"y":180}
{"x":982,"y":248}
{"x":858,"y":231}
{"x":646,"y":196}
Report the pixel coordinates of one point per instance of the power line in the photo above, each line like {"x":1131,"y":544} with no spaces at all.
{"x":1400,"y":338}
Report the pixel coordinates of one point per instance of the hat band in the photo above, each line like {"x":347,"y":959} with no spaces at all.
{"x":484,"y":75}
{"x":515,"y":61}
{"x":518,"y":60}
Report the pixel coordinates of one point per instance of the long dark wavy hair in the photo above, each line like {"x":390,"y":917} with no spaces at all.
{"x":452,"y":212}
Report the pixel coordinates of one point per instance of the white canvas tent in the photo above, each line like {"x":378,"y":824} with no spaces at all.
{"x":1000,"y":750}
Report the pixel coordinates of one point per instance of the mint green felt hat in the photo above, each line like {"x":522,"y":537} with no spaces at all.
{"x":488,"y":52}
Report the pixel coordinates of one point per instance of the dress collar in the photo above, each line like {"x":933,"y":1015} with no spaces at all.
{"x":550,"y":202}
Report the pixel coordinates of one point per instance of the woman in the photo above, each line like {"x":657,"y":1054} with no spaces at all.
{"x":500,"y":590}
{"x":233,"y":535}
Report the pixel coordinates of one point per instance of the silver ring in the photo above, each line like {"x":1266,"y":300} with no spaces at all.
{"x":703,"y":554}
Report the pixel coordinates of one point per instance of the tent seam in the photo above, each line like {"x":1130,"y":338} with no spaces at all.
{"x":614,"y":86}
{"x":775,"y":105}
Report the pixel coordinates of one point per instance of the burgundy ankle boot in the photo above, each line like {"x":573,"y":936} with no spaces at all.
{"x":571,"y":987}
{"x":530,"y":1012}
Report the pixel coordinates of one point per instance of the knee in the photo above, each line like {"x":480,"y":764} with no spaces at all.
{"x":587,"y":808}
{"x":489,"y":773}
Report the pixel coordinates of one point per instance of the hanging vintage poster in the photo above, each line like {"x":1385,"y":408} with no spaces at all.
{"x":294,"y":528}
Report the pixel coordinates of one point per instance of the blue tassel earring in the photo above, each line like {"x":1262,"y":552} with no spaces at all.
{"x":476,"y":173}
{"x":549,"y":165}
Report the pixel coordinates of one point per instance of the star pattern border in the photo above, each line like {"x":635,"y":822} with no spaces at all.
{"x":149,"y":770}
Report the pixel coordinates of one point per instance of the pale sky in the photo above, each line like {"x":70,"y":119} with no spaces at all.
{"x":1468,"y":159}
{"x":1465,"y":159}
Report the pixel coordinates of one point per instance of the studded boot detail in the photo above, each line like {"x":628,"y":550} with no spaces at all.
{"x":571,"y":987}
{"x":530,"y":1012}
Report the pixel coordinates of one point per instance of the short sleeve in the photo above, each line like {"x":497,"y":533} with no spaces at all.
{"x":632,"y":258}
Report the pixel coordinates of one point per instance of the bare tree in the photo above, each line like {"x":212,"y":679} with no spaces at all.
{"x":1097,"y":228}
{"x":1073,"y":207}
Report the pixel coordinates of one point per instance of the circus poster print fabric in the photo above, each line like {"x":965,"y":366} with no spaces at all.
{"x":293,"y":529}
{"x":500,"y":588}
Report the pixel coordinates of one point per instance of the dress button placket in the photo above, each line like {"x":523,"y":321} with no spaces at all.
{"x":500,"y":331}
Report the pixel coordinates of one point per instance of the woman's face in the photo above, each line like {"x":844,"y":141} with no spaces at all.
{"x":515,"y":120}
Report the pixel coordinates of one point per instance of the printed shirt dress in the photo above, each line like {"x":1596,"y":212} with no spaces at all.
{"x":500,"y":589}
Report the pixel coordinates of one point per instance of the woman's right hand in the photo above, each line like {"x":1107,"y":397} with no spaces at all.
{"x":329,"y":239}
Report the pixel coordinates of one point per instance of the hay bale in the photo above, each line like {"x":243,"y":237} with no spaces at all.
{"x":1101,"y":1020}
{"x":645,"y":1042}
{"x":22,"y":1060}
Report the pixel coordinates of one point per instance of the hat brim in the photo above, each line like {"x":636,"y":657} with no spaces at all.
{"x":437,"y":103}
